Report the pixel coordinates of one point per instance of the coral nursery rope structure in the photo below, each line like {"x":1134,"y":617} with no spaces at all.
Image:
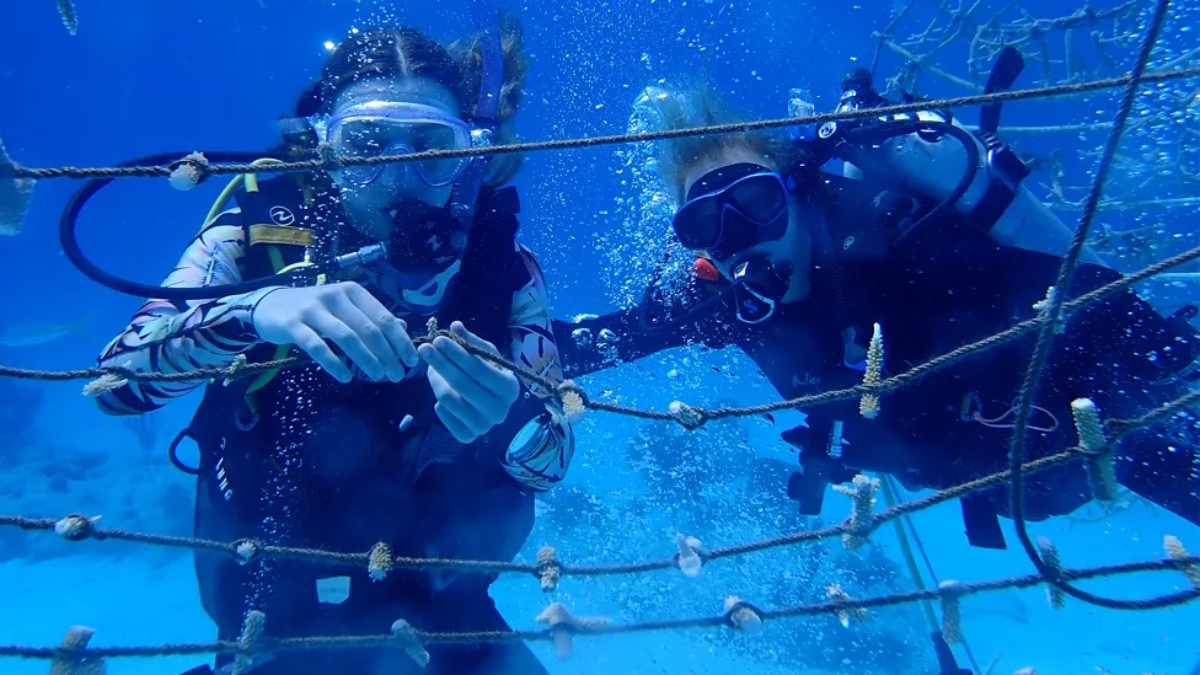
{"x":193,"y":169}
{"x":1097,"y":438}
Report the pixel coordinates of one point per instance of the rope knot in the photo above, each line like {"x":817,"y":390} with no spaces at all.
{"x":574,"y":401}
{"x":77,"y":527}
{"x":189,"y":172}
{"x":548,"y":569}
{"x":688,"y":417}
{"x":742,"y":616}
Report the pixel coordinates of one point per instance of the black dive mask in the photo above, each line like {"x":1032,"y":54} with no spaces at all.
{"x":758,"y":287}
{"x":425,"y":239}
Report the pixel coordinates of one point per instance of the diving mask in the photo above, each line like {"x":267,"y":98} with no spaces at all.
{"x":383,"y":128}
{"x":733,"y":209}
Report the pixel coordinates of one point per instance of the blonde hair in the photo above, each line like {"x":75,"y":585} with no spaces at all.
{"x":700,"y":106}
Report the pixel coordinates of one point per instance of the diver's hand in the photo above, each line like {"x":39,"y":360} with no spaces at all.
{"x":15,"y":194}
{"x":473,"y":395}
{"x":345,"y":313}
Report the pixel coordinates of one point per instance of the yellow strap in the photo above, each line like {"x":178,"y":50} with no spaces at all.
{"x":281,"y":351}
{"x":265,"y":234}
{"x":249,"y":179}
{"x":262,"y":233}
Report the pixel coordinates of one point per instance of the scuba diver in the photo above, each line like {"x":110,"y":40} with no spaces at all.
{"x":800,"y":244}
{"x":433,"y":452}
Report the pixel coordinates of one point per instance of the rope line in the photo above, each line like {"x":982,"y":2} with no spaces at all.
{"x":327,"y":160}
{"x":112,"y":376}
{"x":266,"y":645}
{"x":1053,"y":311}
{"x":78,"y":528}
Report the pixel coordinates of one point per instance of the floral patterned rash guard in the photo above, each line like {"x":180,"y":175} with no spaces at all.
{"x":172,"y":337}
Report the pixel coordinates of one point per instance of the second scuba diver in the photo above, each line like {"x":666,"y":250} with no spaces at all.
{"x":797,"y":257}
{"x":432,"y":451}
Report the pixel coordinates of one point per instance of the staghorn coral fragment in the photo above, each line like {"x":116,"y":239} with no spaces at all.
{"x":862,"y":517}
{"x":252,"y":630}
{"x":379,"y":561}
{"x":951,"y":613}
{"x":1176,"y":550}
{"x":743,"y":616}
{"x":69,"y":16}
{"x":835,"y":594}
{"x":1049,"y":551}
{"x":77,"y":638}
{"x":689,"y":555}
{"x":548,"y":569}
{"x":407,"y":637}
{"x":563,"y":626}
{"x":104,"y":384}
{"x":1101,"y":475}
{"x":868,"y":405}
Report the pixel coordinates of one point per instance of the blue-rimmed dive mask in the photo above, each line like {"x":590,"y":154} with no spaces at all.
{"x":383,"y":128}
{"x":732,"y":209}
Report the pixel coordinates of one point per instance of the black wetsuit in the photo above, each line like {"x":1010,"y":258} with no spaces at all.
{"x":309,"y":462}
{"x":945,"y":288}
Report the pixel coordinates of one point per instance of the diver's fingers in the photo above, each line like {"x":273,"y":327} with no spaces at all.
{"x":370,"y":335}
{"x":462,"y":372}
{"x":461,"y":418}
{"x":394,"y":329}
{"x":461,"y":432}
{"x":307,"y":339}
{"x":472,"y":339}
{"x":328,"y":325}
{"x":493,"y":378}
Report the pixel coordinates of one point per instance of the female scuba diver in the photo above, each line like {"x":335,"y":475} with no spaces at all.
{"x":801,"y":245}
{"x":433,"y":452}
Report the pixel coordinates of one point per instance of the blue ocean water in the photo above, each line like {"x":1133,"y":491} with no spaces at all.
{"x":144,"y":77}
